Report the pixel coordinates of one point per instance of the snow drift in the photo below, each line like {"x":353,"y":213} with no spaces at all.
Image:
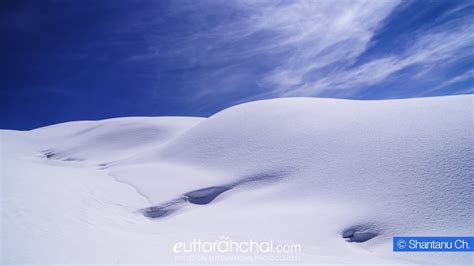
{"x":338,"y":177}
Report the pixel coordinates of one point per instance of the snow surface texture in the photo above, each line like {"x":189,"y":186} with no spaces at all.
{"x":338,"y":177}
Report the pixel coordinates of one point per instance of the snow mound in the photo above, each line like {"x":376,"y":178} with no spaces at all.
{"x":338,"y":177}
{"x":111,"y":139}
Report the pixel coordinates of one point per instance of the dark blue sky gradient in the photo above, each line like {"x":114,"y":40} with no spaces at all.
{"x":88,"y":60}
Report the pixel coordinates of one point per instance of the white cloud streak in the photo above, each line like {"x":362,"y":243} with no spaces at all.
{"x":316,"y":46}
{"x":333,"y":34}
{"x":428,"y":50}
{"x":317,"y":34}
{"x":468,"y":75}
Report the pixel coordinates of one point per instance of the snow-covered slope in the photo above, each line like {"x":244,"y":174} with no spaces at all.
{"x":107,"y":140}
{"x":315,"y":172}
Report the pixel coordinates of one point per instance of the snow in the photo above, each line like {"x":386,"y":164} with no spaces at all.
{"x":338,"y":177}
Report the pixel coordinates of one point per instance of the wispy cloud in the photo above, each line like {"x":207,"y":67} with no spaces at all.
{"x":468,"y":75}
{"x":318,"y":34}
{"x":313,"y":48}
{"x":324,"y":36}
{"x":428,"y":50}
{"x":300,"y":37}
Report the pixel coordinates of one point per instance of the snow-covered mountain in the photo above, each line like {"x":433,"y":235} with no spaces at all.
{"x":338,"y":177}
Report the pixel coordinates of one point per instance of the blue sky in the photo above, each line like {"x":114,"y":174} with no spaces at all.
{"x":83,"y":60}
